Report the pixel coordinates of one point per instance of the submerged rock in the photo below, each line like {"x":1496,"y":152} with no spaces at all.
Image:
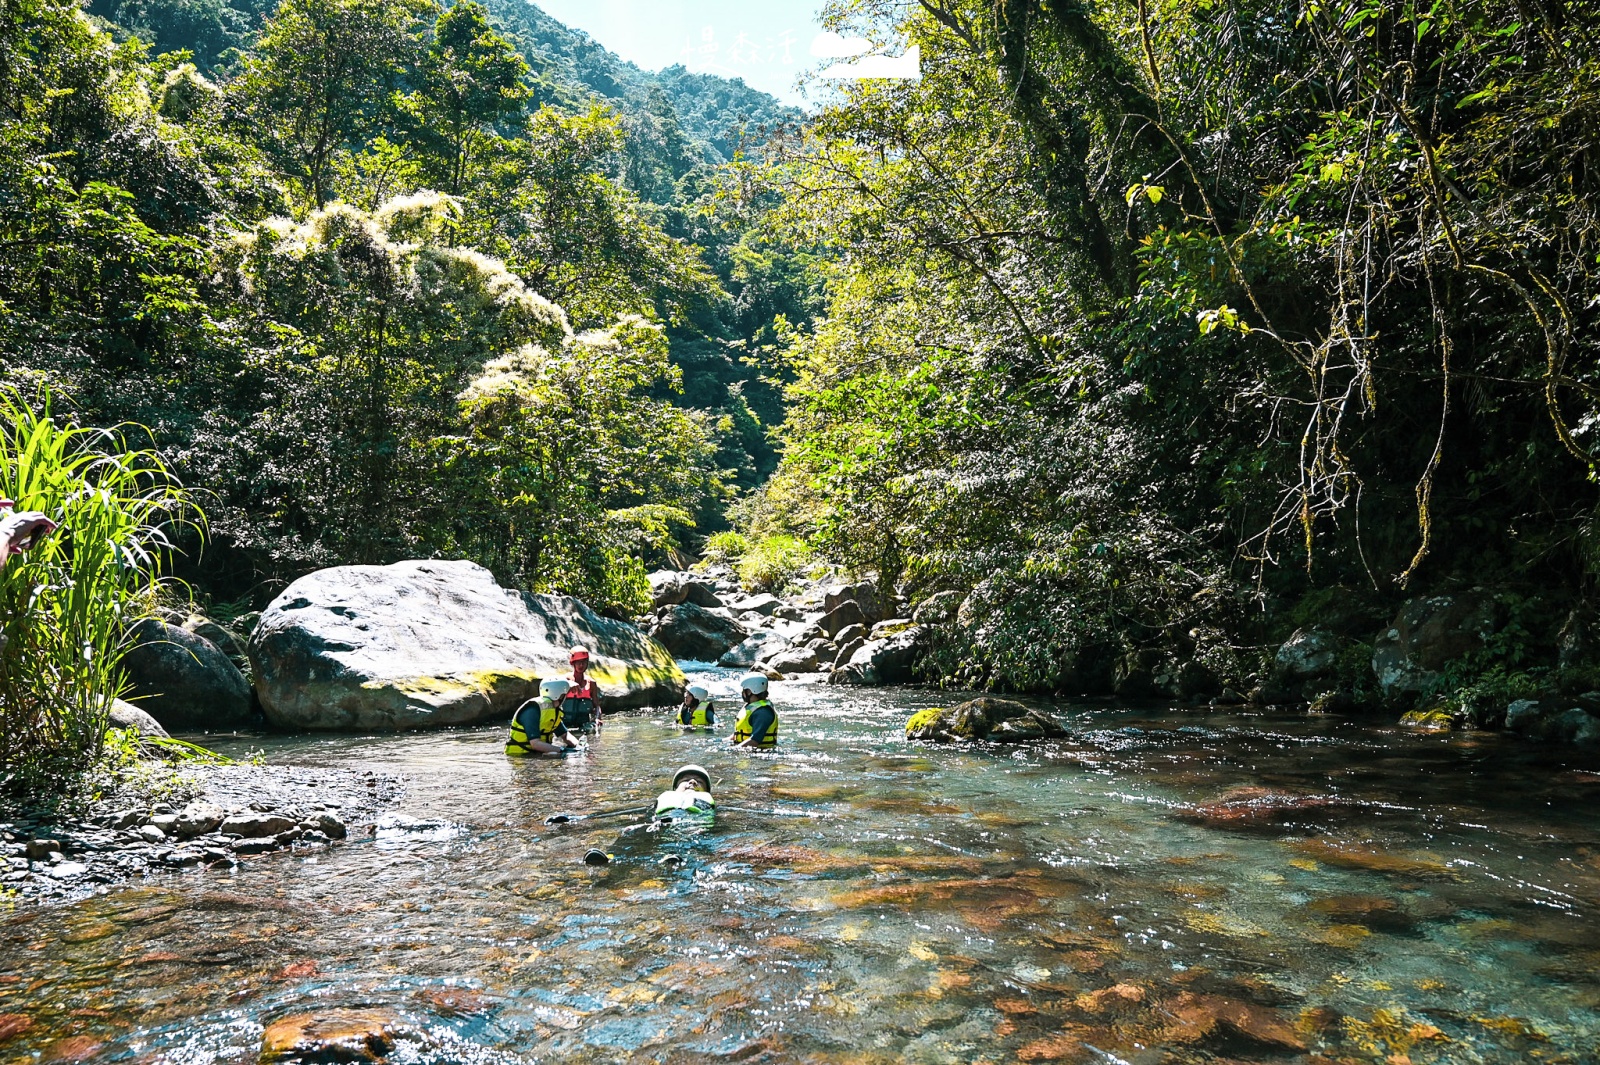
{"x":182,"y":680}
{"x":332,"y":1035}
{"x":999,"y":720}
{"x":431,"y":644}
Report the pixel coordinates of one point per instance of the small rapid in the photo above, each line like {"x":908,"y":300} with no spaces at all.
{"x":1162,"y":886}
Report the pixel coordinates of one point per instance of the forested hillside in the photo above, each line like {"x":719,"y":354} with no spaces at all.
{"x":1166,"y":329}
{"x":387,"y":278}
{"x":1149,"y":335}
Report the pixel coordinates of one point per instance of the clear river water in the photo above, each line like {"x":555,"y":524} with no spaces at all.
{"x":1162,"y":887}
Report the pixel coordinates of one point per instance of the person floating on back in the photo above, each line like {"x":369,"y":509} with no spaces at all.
{"x":537,"y":725}
{"x":581,"y":706}
{"x":757,"y":726}
{"x":690,"y":798}
{"x":697,"y":710}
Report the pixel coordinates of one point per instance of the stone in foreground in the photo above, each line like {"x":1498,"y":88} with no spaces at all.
{"x":428,"y":644}
{"x":331,"y":1035}
{"x":999,"y":720}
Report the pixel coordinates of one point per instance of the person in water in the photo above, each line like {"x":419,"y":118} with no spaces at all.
{"x":697,"y":710}
{"x":689,"y":801}
{"x":537,"y":725}
{"x":581,"y":706}
{"x":690,"y":798}
{"x":757,"y":726}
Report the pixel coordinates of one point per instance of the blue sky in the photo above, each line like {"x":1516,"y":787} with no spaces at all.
{"x":765,"y":42}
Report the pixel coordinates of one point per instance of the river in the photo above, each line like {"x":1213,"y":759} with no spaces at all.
{"x":1161,"y":888}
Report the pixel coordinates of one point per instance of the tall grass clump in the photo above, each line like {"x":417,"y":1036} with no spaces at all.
{"x":66,"y":606}
{"x":772,"y":562}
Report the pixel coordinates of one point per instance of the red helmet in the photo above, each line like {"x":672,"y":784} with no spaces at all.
{"x":580,"y":654}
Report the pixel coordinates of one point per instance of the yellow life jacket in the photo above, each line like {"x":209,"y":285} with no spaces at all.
{"x":678,"y":805}
{"x":742,"y":729}
{"x":549,"y":718}
{"x":704,"y":715}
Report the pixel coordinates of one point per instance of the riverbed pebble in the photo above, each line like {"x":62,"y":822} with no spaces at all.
{"x":58,"y":858}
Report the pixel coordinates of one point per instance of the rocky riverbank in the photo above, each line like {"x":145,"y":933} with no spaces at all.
{"x":848,"y":630}
{"x":213,"y":818}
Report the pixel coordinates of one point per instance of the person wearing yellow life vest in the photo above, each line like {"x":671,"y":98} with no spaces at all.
{"x":757,"y":726}
{"x":580,"y":707}
{"x":697,"y":710}
{"x":537,"y":725}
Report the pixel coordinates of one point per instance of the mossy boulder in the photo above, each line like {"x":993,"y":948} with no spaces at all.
{"x":431,"y":644}
{"x":1436,"y":718}
{"x":998,"y":720}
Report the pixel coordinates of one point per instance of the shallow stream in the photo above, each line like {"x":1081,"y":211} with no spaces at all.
{"x":1172,"y":887}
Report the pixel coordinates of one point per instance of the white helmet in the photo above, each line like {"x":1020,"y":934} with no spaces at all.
{"x":554,"y":688}
{"x":754,"y":683}
{"x":699,"y":692}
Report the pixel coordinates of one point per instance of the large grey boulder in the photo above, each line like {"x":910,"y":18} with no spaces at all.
{"x":667,"y":587}
{"x":1426,"y":636}
{"x":426,"y":644}
{"x":863,"y":593}
{"x":690,"y":631}
{"x":841,"y":616}
{"x":886,"y":661}
{"x":794,"y":660}
{"x":1306,"y":654}
{"x":182,"y":680}
{"x":760,"y":644}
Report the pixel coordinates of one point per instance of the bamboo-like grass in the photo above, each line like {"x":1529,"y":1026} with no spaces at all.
{"x":66,"y":606}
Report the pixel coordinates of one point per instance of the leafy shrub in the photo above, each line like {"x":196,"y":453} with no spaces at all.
{"x":66,"y":605}
{"x":725,"y":547}
{"x":772,"y":562}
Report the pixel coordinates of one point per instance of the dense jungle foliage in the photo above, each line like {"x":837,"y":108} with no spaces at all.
{"x":1166,"y":326}
{"x":1159,"y":328}
{"x":385,"y":279}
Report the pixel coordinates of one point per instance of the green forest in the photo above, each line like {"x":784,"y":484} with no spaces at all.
{"x":1157,"y":330}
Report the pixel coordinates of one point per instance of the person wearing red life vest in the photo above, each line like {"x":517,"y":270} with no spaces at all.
{"x":581,"y":707}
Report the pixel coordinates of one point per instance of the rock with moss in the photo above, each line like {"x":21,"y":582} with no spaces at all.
{"x":430,"y":644}
{"x":998,"y":720}
{"x":1435,"y":718}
